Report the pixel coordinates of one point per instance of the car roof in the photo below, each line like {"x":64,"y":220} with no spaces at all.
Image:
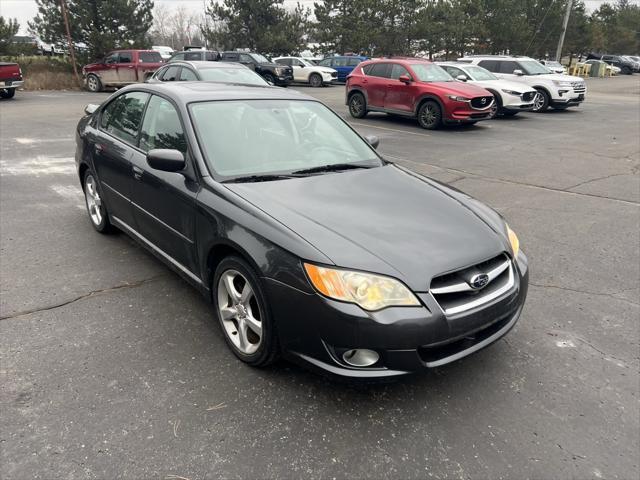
{"x":398,"y":60}
{"x":205,"y":65}
{"x":496,"y":57}
{"x":189,"y":92}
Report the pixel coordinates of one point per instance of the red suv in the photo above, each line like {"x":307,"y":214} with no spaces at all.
{"x":417,"y":88}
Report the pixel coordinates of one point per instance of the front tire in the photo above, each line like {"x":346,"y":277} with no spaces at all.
{"x":315,"y":80}
{"x":94,"y":84}
{"x":270,"y":78}
{"x":357,"y":105}
{"x":243,"y":313}
{"x":430,"y":115}
{"x":8,"y":93}
{"x":541,"y":101}
{"x":95,"y":206}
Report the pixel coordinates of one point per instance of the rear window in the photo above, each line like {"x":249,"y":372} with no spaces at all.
{"x":354,"y":62}
{"x":150,"y":57}
{"x":193,"y":56}
{"x":379,"y":70}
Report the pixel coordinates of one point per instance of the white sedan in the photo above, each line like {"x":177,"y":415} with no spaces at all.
{"x":306,"y":72}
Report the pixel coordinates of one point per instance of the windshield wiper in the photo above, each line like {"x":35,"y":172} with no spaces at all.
{"x":336,"y":167}
{"x":257,"y":178}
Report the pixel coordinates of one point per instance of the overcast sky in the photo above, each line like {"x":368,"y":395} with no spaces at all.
{"x":25,"y":10}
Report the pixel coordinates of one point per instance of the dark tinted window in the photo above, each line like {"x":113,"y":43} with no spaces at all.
{"x":170,"y":74}
{"x":244,"y":58}
{"x":187,"y":75}
{"x":232,"y":57}
{"x":325,"y":63}
{"x":491,"y":65}
{"x":113,"y":58}
{"x":193,"y":56}
{"x":162,"y":127}
{"x":125,"y":57}
{"x":283,"y":61}
{"x":149,"y":57}
{"x":178,"y":56}
{"x":397,"y":71}
{"x":354,"y":62}
{"x":122,"y":117}
{"x":508,"y":67}
{"x":211,"y":56}
{"x":380,"y":70}
{"x":340,"y":62}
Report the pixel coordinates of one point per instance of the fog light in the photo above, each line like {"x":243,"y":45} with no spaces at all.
{"x":360,"y":357}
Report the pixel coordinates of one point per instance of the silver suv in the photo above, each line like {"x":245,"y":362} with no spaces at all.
{"x":554,"y":89}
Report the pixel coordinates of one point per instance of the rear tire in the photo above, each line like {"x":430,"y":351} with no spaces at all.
{"x":315,"y":80}
{"x":94,"y":84}
{"x":8,"y":93}
{"x":357,"y":105}
{"x":430,"y":115}
{"x":541,"y":101}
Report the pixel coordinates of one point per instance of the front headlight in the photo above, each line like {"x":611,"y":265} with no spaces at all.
{"x":512,"y":92}
{"x":456,"y":98}
{"x":369,"y":291}
{"x":514,"y":241}
{"x":561,"y":83}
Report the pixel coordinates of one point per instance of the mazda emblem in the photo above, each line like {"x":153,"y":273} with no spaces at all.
{"x":483,"y":101}
{"x":479,"y":281}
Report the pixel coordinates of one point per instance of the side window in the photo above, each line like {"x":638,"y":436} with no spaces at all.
{"x":231,"y":57}
{"x":508,"y":67}
{"x":161,"y":127}
{"x":178,"y":56}
{"x":491,"y":65}
{"x":340,"y":62}
{"x":122,"y":117}
{"x":125,"y":57}
{"x":353,"y":62}
{"x":397,"y":71}
{"x":282,"y":61}
{"x":297,"y":63}
{"x":112,"y":58}
{"x":454,"y":71}
{"x":244,"y":58}
{"x":380,"y":70}
{"x":211,"y":56}
{"x":193,"y":56}
{"x":325,"y":63}
{"x":171,"y":74}
{"x":187,"y":75}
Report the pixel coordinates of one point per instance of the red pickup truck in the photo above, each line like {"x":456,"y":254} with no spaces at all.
{"x":120,"y":68}
{"x":10,"y":79}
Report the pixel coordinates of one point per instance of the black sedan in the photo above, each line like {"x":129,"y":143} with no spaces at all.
{"x":223,"y":72}
{"x":307,"y":242}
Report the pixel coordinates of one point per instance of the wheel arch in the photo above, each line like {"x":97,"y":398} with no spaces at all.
{"x":355,"y":90}
{"x":426,"y":98}
{"x":496,"y":95}
{"x":219,"y":251}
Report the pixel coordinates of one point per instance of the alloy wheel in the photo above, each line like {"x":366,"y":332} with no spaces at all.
{"x":240,"y":312}
{"x":538,"y":102}
{"x":315,"y":80}
{"x":94,"y":202}
{"x":92,"y":83}
{"x":429,"y":115}
{"x":356,"y":105}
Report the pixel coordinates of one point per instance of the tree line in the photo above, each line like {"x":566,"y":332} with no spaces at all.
{"x":431,"y":28}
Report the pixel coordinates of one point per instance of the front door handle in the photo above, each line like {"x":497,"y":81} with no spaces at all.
{"x":137,"y":173}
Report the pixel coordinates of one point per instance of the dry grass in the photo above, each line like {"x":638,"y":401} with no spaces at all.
{"x":45,"y":73}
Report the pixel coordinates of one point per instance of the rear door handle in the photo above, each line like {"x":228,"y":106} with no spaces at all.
{"x":137,"y":172}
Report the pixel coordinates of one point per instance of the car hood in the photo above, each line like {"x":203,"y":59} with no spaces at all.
{"x":384,"y":220}
{"x":323,"y":69}
{"x":561,"y":77}
{"x":461,"y":88}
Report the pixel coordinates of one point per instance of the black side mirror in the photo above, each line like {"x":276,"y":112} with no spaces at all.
{"x":372,"y":140}
{"x":166,"y":160}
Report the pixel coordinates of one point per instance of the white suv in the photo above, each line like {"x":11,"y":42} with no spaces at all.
{"x":554,"y":90}
{"x":511,"y":97}
{"x":306,"y":72}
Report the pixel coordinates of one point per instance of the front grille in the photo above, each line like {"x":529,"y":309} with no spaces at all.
{"x":480,"y":103}
{"x":579,"y":87}
{"x":528,"y":96}
{"x":454,"y":293}
{"x":334,"y":74}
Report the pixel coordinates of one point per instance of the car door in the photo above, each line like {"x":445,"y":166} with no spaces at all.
{"x":340,"y":64}
{"x":400,"y":95}
{"x":126,"y":69}
{"x":109,"y":75}
{"x":375,"y":82}
{"x":300,"y":71}
{"x":115,"y":143}
{"x":163,"y":203}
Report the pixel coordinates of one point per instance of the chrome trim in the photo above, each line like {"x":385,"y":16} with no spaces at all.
{"x":168,"y":227}
{"x":114,"y":190}
{"x":465,"y":287}
{"x":156,"y":249}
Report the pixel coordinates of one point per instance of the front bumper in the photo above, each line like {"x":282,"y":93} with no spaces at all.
{"x":315,"y":331}
{"x":283,"y":80}
{"x":567,"y":96}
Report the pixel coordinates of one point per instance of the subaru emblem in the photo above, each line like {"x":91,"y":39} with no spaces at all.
{"x":479,"y":281}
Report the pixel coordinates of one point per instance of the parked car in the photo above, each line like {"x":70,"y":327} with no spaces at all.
{"x":10,"y":79}
{"x":320,"y":251}
{"x":635,"y":61}
{"x":344,"y":64}
{"x":510,"y":97}
{"x":224,"y":72}
{"x":593,"y":61}
{"x":120,"y":68}
{"x":306,"y":72}
{"x":273,"y":73}
{"x":554,"y":90}
{"x":195,"y":56}
{"x":415,"y":88}
{"x":626,"y":66}
{"x":164,"y":51}
{"x":555,"y":67}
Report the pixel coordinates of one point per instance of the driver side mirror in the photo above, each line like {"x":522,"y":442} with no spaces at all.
{"x":406,"y":79}
{"x":462,"y":78}
{"x":518,"y":72}
{"x":372,"y":140}
{"x":166,"y":160}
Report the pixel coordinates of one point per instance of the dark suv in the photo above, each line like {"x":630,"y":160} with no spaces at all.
{"x":280,"y":75}
{"x":626,"y":67}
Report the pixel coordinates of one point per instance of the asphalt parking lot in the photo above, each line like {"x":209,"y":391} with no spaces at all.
{"x":112,"y":366}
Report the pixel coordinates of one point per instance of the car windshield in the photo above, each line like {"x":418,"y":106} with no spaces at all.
{"x":260,"y":58}
{"x":554,"y":64}
{"x":531,"y":67}
{"x":232,"y":75}
{"x":428,"y":72}
{"x":480,"y":74}
{"x":275,"y":137}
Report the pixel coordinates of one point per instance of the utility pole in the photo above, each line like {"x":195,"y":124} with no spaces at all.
{"x":564,"y":30}
{"x":72,"y":52}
